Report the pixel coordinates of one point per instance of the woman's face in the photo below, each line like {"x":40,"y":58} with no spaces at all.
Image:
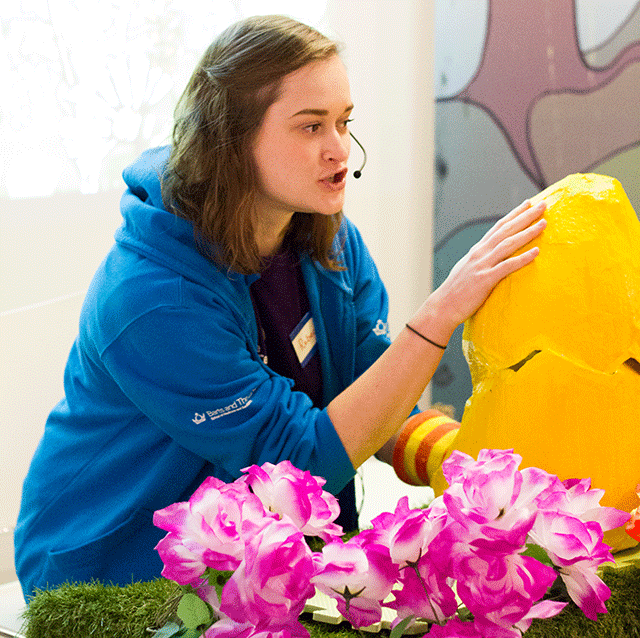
{"x":303,"y":144}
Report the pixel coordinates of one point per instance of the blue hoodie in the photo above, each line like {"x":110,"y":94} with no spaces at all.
{"x":164,"y":387}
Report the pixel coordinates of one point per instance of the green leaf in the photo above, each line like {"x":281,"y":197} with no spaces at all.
{"x":194,"y":612}
{"x":217,"y":579}
{"x":464,"y":614}
{"x":535,"y":551}
{"x":169,"y":630}
{"x":398,"y":630}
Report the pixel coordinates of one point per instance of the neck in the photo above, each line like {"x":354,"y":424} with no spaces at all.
{"x":270,"y":233}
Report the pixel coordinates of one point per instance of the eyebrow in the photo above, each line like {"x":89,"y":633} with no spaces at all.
{"x":319,"y":112}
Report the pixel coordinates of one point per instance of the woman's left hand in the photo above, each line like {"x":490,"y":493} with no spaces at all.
{"x":489,"y":261}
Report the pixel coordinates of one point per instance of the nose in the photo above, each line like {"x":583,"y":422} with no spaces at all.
{"x":337,"y":147}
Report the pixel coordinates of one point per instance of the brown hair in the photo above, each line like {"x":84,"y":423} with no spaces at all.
{"x":211,"y":178}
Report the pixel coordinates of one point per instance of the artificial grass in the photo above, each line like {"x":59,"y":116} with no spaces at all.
{"x":621,"y":621}
{"x":94,"y":610}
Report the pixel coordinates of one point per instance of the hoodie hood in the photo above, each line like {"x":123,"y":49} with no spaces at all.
{"x":151,"y":230}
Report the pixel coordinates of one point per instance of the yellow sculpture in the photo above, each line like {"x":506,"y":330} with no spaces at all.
{"x":554,"y":352}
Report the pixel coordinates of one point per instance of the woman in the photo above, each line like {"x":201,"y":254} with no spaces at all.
{"x":236,"y":319}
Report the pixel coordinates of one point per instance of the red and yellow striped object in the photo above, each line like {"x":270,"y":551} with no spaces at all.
{"x":422,"y":445}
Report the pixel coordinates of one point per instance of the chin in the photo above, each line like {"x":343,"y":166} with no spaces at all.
{"x":326,"y":212}
{"x":330,"y":210}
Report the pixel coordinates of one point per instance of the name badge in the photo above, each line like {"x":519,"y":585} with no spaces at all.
{"x":303,"y":339}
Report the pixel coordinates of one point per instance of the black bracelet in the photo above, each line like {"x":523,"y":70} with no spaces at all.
{"x":433,"y":343}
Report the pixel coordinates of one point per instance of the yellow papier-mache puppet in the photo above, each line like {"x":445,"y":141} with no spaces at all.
{"x":554,"y":355}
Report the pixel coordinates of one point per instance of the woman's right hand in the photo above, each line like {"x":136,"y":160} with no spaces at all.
{"x":489,"y":261}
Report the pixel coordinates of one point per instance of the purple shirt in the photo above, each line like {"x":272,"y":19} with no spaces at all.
{"x":282,"y":312}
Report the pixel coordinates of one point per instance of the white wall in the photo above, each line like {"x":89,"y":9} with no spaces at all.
{"x":50,"y":246}
{"x":388,"y":51}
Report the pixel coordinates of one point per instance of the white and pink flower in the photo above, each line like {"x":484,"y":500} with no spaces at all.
{"x":576,"y":548}
{"x":474,"y":537}
{"x":501,"y":590}
{"x":206,"y":531}
{"x":288,"y":491}
{"x":273,"y":582}
{"x":358,"y":576}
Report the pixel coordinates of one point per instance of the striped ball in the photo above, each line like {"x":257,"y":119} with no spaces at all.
{"x":421,"y":446}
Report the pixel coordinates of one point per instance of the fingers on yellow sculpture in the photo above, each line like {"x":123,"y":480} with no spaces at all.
{"x":554,"y":352}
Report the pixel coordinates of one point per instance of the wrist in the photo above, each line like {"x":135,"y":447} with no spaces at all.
{"x":425,"y":338}
{"x":434,"y":320}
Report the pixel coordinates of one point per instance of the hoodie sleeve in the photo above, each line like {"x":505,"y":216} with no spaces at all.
{"x":188,"y":367}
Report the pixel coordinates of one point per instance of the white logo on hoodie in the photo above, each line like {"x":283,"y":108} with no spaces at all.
{"x":381,"y":328}
{"x":238,"y":404}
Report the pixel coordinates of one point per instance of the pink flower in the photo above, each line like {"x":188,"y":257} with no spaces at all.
{"x":501,"y":590}
{"x":455,"y":628}
{"x":272,"y":583}
{"x":206,"y":531}
{"x":183,"y":559}
{"x":227,"y":628}
{"x":491,"y":492}
{"x":358,"y":577}
{"x":288,"y":491}
{"x":493,"y":625}
{"x":411,"y":531}
{"x":576,"y":547}
{"x":379,"y":532}
{"x":425,"y":591}
{"x":490,"y":502}
{"x":490,"y":495}
{"x":575,"y":497}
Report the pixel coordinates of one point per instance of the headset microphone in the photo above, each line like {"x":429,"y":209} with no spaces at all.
{"x":357,"y":173}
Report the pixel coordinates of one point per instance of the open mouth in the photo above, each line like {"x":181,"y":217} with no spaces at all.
{"x":336,"y":181}
{"x":338,"y":177}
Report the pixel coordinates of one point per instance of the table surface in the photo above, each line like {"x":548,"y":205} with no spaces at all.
{"x":11,"y":607}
